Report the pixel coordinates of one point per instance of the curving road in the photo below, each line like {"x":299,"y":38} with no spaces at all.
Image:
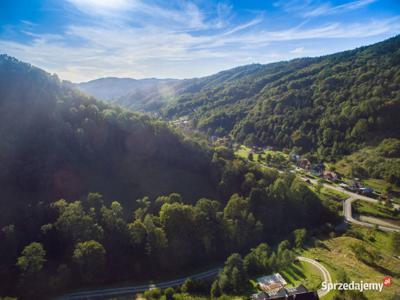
{"x":138,"y":288}
{"x":347,"y":212}
{"x":325,"y":273}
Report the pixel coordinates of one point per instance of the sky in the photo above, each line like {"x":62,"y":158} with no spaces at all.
{"x":82,"y":40}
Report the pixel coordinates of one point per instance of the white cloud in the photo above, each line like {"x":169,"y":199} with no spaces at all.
{"x":312,"y":8}
{"x":299,"y":50}
{"x":185,"y":14}
{"x":192,"y":44}
{"x":103,"y":7}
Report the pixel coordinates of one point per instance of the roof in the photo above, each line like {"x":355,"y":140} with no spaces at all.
{"x":277,"y":294}
{"x":305,"y":296}
{"x":271,"y":282}
{"x":299,"y":296}
{"x":292,"y":293}
{"x":296,"y":290}
{"x":259,"y":296}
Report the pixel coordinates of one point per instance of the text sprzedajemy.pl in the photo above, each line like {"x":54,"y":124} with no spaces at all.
{"x":353,"y":286}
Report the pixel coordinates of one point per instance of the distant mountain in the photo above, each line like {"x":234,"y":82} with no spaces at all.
{"x":139,"y":94}
{"x":330,"y":105}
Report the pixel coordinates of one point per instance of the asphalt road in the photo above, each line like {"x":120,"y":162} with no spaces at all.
{"x":137,"y":288}
{"x":347,"y":212}
{"x":325,"y":273}
{"x":349,"y":217}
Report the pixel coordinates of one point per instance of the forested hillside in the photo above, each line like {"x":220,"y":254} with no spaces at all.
{"x":93,"y":194}
{"x":330,"y":105}
{"x":146,"y":95}
{"x":59,"y":143}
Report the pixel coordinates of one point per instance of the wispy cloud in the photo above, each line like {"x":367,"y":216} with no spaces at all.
{"x":184,"y":14}
{"x":312,"y":8}
{"x":179,"y":40}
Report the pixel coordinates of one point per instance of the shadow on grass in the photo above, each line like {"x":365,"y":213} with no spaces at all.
{"x":296,"y":268}
{"x":295,"y":273}
{"x":383,"y":270}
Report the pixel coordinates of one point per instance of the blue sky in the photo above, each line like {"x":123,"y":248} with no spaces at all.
{"x":86,"y":39}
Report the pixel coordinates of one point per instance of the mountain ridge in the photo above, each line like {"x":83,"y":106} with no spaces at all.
{"x":329,"y":105}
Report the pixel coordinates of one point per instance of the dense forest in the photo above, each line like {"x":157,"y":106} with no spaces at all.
{"x":57,"y":142}
{"x":330,"y":105}
{"x":95,"y":194}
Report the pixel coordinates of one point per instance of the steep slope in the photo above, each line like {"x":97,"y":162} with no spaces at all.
{"x":141,"y":95}
{"x":329,"y":105}
{"x":56,"y":143}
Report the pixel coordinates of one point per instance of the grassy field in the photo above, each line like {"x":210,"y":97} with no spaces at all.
{"x":344,"y":166}
{"x":333,"y":194}
{"x":336,"y":253}
{"x":376,"y":210}
{"x":244,"y":151}
{"x":302,"y":273}
{"x":381,"y":186}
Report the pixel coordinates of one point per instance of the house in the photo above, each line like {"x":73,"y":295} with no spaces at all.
{"x":224,"y":141}
{"x":271,"y":283}
{"x":295,"y":157}
{"x":304,"y":164}
{"x":318,"y":169}
{"x":329,"y":175}
{"x":259,"y":296}
{"x":355,"y":185}
{"x":293,"y":293}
